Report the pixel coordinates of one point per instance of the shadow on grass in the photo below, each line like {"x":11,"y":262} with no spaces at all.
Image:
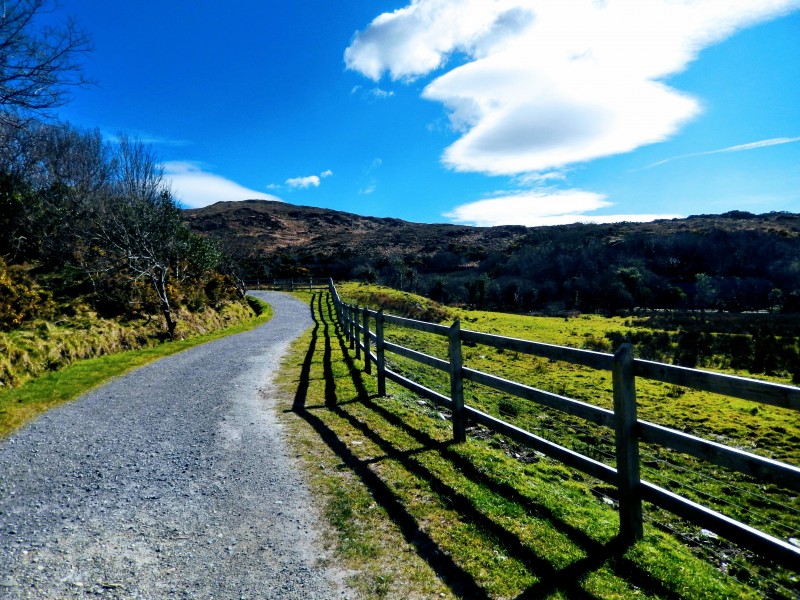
{"x":461,"y":582}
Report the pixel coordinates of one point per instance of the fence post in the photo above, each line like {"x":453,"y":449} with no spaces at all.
{"x":457,"y":382}
{"x":337,"y":303}
{"x":367,"y":357}
{"x":352,"y":326}
{"x":348,"y":323}
{"x":379,"y":353}
{"x":356,"y":312}
{"x":627,"y":446}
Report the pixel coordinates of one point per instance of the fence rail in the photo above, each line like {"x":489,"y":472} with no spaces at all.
{"x":300,"y":283}
{"x":628,"y":429}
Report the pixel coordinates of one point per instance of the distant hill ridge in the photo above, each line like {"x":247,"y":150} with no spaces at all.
{"x":270,"y":226}
{"x":743,"y":261}
{"x":280,"y":226}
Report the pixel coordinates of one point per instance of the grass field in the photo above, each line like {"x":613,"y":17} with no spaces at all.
{"x":489,"y":519}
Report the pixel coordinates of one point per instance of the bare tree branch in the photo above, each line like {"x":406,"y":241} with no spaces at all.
{"x":38,"y":65}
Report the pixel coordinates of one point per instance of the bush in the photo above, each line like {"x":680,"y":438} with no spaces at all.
{"x":20,"y":298}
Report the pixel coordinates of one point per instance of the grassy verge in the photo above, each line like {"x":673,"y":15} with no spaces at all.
{"x":416,"y":516}
{"x":20,"y":405}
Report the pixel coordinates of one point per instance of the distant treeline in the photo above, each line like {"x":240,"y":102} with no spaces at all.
{"x":755,"y":343}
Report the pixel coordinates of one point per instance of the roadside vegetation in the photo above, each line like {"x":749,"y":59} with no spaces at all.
{"x":100,"y":356}
{"x":94,"y":261}
{"x":491,"y":519}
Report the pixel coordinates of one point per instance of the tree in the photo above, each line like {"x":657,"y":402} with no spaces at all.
{"x":50,"y":177}
{"x":137,"y":231}
{"x":38,"y":65}
{"x":705,"y":292}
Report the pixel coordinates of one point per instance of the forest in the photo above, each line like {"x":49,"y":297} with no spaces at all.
{"x":612,"y":268}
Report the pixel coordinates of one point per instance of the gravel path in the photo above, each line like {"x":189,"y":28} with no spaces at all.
{"x":173,"y":481}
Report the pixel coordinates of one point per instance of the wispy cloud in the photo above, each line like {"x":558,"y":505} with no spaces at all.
{"x":739,"y":148}
{"x":541,"y":84}
{"x":375,"y":93}
{"x":536,"y":208}
{"x":194,"y":187}
{"x":369,"y":181}
{"x":146,"y":138}
{"x":308,"y":181}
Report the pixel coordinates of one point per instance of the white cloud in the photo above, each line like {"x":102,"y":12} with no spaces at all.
{"x":537,"y":208}
{"x":303,"y":182}
{"x":547,"y":84}
{"x":308,"y":181}
{"x":195,"y":187}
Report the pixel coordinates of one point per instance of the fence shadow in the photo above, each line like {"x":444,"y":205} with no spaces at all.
{"x":456,"y":578}
{"x":460,"y":581}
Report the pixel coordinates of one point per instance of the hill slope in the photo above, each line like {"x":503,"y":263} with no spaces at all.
{"x":268,"y":227}
{"x":743,"y":261}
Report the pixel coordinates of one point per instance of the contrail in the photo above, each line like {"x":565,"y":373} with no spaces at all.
{"x":739,"y":148}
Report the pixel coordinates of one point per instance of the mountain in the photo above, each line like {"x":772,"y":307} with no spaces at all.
{"x":732,"y":261}
{"x":322,"y":237}
{"x":279,"y":225}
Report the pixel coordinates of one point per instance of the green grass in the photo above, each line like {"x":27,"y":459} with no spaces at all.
{"x":769,"y":431}
{"x":415,"y":515}
{"x":21,"y":404}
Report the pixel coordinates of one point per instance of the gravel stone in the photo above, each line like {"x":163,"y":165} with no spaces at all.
{"x":174,"y":481}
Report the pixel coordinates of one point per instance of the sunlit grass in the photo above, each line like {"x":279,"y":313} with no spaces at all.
{"x":770,"y":431}
{"x":416,"y":515}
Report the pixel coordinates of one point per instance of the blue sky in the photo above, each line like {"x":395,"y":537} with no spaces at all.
{"x":481,"y":112}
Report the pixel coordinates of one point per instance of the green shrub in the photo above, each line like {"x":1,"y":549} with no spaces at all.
{"x":20,"y":298}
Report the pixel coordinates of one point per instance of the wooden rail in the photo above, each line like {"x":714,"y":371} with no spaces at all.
{"x":291,"y":285}
{"x":629,"y":430}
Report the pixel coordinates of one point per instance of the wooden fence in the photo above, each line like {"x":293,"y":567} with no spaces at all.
{"x":629,"y":430}
{"x":299,"y":283}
